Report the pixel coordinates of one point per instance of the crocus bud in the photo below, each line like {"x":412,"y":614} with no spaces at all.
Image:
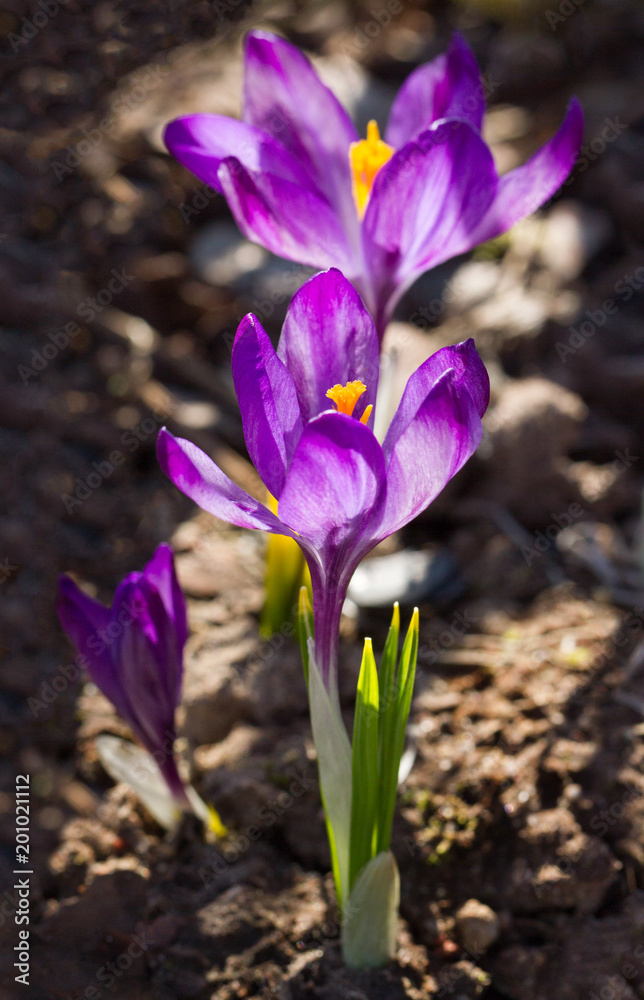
{"x":134,"y":653}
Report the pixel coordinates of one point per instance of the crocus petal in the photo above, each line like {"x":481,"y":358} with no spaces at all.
{"x":199,"y":478}
{"x":440,"y":438}
{"x":202,"y":142}
{"x":167,"y":645}
{"x":426,"y":203}
{"x":468,"y":375}
{"x":284,"y":97}
{"x":290,"y":220}
{"x":524,"y":189}
{"x":328,"y":338}
{"x":147,"y":662}
{"x":268,"y":403}
{"x":332,"y":488}
{"x":85,"y":621}
{"x":448,"y":87}
{"x":139,"y":605}
{"x":160,"y":572}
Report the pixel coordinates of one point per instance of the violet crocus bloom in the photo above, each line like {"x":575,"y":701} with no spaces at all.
{"x":339,"y":490}
{"x":133,"y":652}
{"x":299,"y":180}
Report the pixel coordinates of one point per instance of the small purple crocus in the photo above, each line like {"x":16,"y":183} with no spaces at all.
{"x":299,"y":180}
{"x":339,"y":490}
{"x":133,"y":652}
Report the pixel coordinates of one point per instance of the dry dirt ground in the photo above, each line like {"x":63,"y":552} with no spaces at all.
{"x":520,"y":828}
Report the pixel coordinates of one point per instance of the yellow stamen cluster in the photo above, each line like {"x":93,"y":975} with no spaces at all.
{"x":366,"y":158}
{"x":346,"y":396}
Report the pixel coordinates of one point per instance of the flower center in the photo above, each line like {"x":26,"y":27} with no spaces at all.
{"x":366,"y":158}
{"x":346,"y":396}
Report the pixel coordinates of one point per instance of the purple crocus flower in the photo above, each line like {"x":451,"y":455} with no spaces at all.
{"x":339,"y":490}
{"x":133,"y":652}
{"x":299,"y":181}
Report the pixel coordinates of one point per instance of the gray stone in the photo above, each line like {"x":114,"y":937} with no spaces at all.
{"x":477,"y":926}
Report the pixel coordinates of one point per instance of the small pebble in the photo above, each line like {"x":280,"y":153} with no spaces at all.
{"x":477,"y":926}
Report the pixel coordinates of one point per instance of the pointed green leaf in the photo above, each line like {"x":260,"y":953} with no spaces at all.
{"x":370,"y":919}
{"x":284,"y":568}
{"x":388,"y":663}
{"x":406,"y":677}
{"x":387,"y":718}
{"x":364,"y":803}
{"x":334,"y":767}
{"x":305,"y":628}
{"x":335,"y":864}
{"x":392,"y":732}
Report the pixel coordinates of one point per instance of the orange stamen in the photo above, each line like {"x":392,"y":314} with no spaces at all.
{"x":366,"y":158}
{"x":346,"y":396}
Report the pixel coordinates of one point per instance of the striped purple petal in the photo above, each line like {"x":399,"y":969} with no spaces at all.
{"x":448,"y":87}
{"x":329,"y":338}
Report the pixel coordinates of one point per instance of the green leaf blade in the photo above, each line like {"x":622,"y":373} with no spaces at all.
{"x":388,"y":663}
{"x":334,"y":768}
{"x":388,"y":704}
{"x":393,"y":727}
{"x":285,"y":568}
{"x":304,"y":628}
{"x":365,"y":766}
{"x":370,"y":918}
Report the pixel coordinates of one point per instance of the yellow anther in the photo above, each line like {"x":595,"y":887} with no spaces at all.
{"x":366,"y":158}
{"x":346,"y":396}
{"x":214,"y":820}
{"x":367,"y":413}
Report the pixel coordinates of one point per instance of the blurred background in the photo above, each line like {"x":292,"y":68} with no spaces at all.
{"x":122,"y":281}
